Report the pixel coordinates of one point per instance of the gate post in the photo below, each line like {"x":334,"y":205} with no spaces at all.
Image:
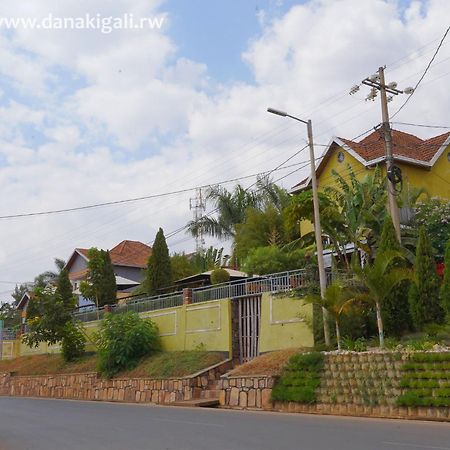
{"x":187,"y":296}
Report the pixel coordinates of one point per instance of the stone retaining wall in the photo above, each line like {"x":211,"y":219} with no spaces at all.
{"x":89,"y":386}
{"x":354,"y":384}
{"x":246,"y":391}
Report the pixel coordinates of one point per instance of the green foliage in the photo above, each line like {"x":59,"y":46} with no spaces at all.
{"x":300,"y":379}
{"x":19,"y":290}
{"x":219,"y":276}
{"x":9,"y":315}
{"x":47,"y":316}
{"x":377,"y":279}
{"x":354,"y":345}
{"x":362,"y":206}
{"x":73,"y":341}
{"x":64,"y":288}
{"x":265,"y":260}
{"x":424,"y":293}
{"x":395,"y":307}
{"x":211,"y":258}
{"x":434,"y":214}
{"x":100,"y":285}
{"x":415,"y":399}
{"x":426,"y":380}
{"x":336,"y":300}
{"x":181,"y":266}
{"x":159,"y":270}
{"x":123,"y":339}
{"x":261,"y":228}
{"x":445,"y":288}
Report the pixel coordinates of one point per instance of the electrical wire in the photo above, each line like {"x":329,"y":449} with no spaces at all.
{"x":423,"y":75}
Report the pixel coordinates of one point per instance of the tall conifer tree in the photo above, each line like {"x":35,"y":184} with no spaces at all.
{"x":424,"y":293}
{"x":445,"y":288}
{"x":159,"y":271}
{"x":395,"y":308}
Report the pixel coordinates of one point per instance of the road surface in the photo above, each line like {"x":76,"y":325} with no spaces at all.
{"x":40,"y":424}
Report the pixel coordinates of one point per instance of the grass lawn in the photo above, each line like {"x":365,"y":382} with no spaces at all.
{"x":268,"y":364}
{"x":161,"y":365}
{"x":47,"y":364}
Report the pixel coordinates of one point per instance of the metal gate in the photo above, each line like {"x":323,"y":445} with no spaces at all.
{"x":249,"y":317}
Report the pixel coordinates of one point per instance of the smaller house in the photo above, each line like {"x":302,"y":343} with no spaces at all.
{"x":128,"y":258}
{"x":204,"y":279}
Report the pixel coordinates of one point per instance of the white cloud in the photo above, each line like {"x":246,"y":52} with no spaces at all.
{"x":136,"y":117}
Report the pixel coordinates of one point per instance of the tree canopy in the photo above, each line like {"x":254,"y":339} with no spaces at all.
{"x":100,"y":285}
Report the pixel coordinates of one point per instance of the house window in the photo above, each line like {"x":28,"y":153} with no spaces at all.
{"x":340,"y":157}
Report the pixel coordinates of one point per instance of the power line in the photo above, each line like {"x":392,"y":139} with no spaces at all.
{"x":424,"y":73}
{"x":420,"y":125}
{"x":131,"y":200}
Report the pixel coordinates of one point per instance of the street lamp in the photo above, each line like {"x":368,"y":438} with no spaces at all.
{"x":317,"y":227}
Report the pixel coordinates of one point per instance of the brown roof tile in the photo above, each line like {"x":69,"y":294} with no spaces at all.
{"x":130,"y":253}
{"x":404,"y":144}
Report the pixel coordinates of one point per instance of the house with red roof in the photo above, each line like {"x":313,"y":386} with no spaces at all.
{"x":129,"y":259}
{"x":424,"y":163}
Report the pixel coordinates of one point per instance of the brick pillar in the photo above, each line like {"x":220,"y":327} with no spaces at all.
{"x":187,"y":296}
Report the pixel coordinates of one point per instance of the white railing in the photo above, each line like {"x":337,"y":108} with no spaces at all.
{"x":278,"y":282}
{"x":91,"y":313}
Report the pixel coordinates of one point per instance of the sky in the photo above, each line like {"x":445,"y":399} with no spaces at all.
{"x":89,"y":117}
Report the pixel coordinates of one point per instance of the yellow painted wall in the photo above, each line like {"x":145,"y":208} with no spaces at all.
{"x":284,"y":323}
{"x":10,"y":349}
{"x":207,"y":325}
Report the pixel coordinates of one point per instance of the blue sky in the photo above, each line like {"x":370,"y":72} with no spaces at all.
{"x":219,"y":31}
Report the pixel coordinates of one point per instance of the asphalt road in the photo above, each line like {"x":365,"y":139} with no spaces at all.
{"x":39,"y":424}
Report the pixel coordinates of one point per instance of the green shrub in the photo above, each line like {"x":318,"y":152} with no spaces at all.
{"x":73,"y":342}
{"x":430,"y":357}
{"x":357,"y":345}
{"x":123,"y":339}
{"x":300,"y":379}
{"x":219,"y":276}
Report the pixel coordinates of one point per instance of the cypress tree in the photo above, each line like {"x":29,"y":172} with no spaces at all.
{"x":108,"y":286}
{"x":424,"y":293}
{"x":159,"y":270}
{"x":64,"y":290}
{"x":445,"y":288}
{"x":395,"y":307}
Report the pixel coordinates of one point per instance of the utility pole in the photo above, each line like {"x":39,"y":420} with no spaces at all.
{"x":394,"y":176}
{"x":318,"y":233}
{"x":317,"y":227}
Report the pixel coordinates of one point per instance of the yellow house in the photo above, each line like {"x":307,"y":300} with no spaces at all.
{"x":424,"y":163}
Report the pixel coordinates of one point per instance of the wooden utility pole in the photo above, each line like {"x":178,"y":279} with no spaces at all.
{"x":377,"y":83}
{"x":393,"y":208}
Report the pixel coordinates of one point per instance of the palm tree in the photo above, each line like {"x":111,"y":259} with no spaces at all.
{"x":362,"y":205}
{"x":336,"y":300}
{"x":231,"y":207}
{"x":377,"y":279}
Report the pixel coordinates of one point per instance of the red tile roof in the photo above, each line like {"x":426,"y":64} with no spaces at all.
{"x":130,"y":253}
{"x":404,"y":144}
